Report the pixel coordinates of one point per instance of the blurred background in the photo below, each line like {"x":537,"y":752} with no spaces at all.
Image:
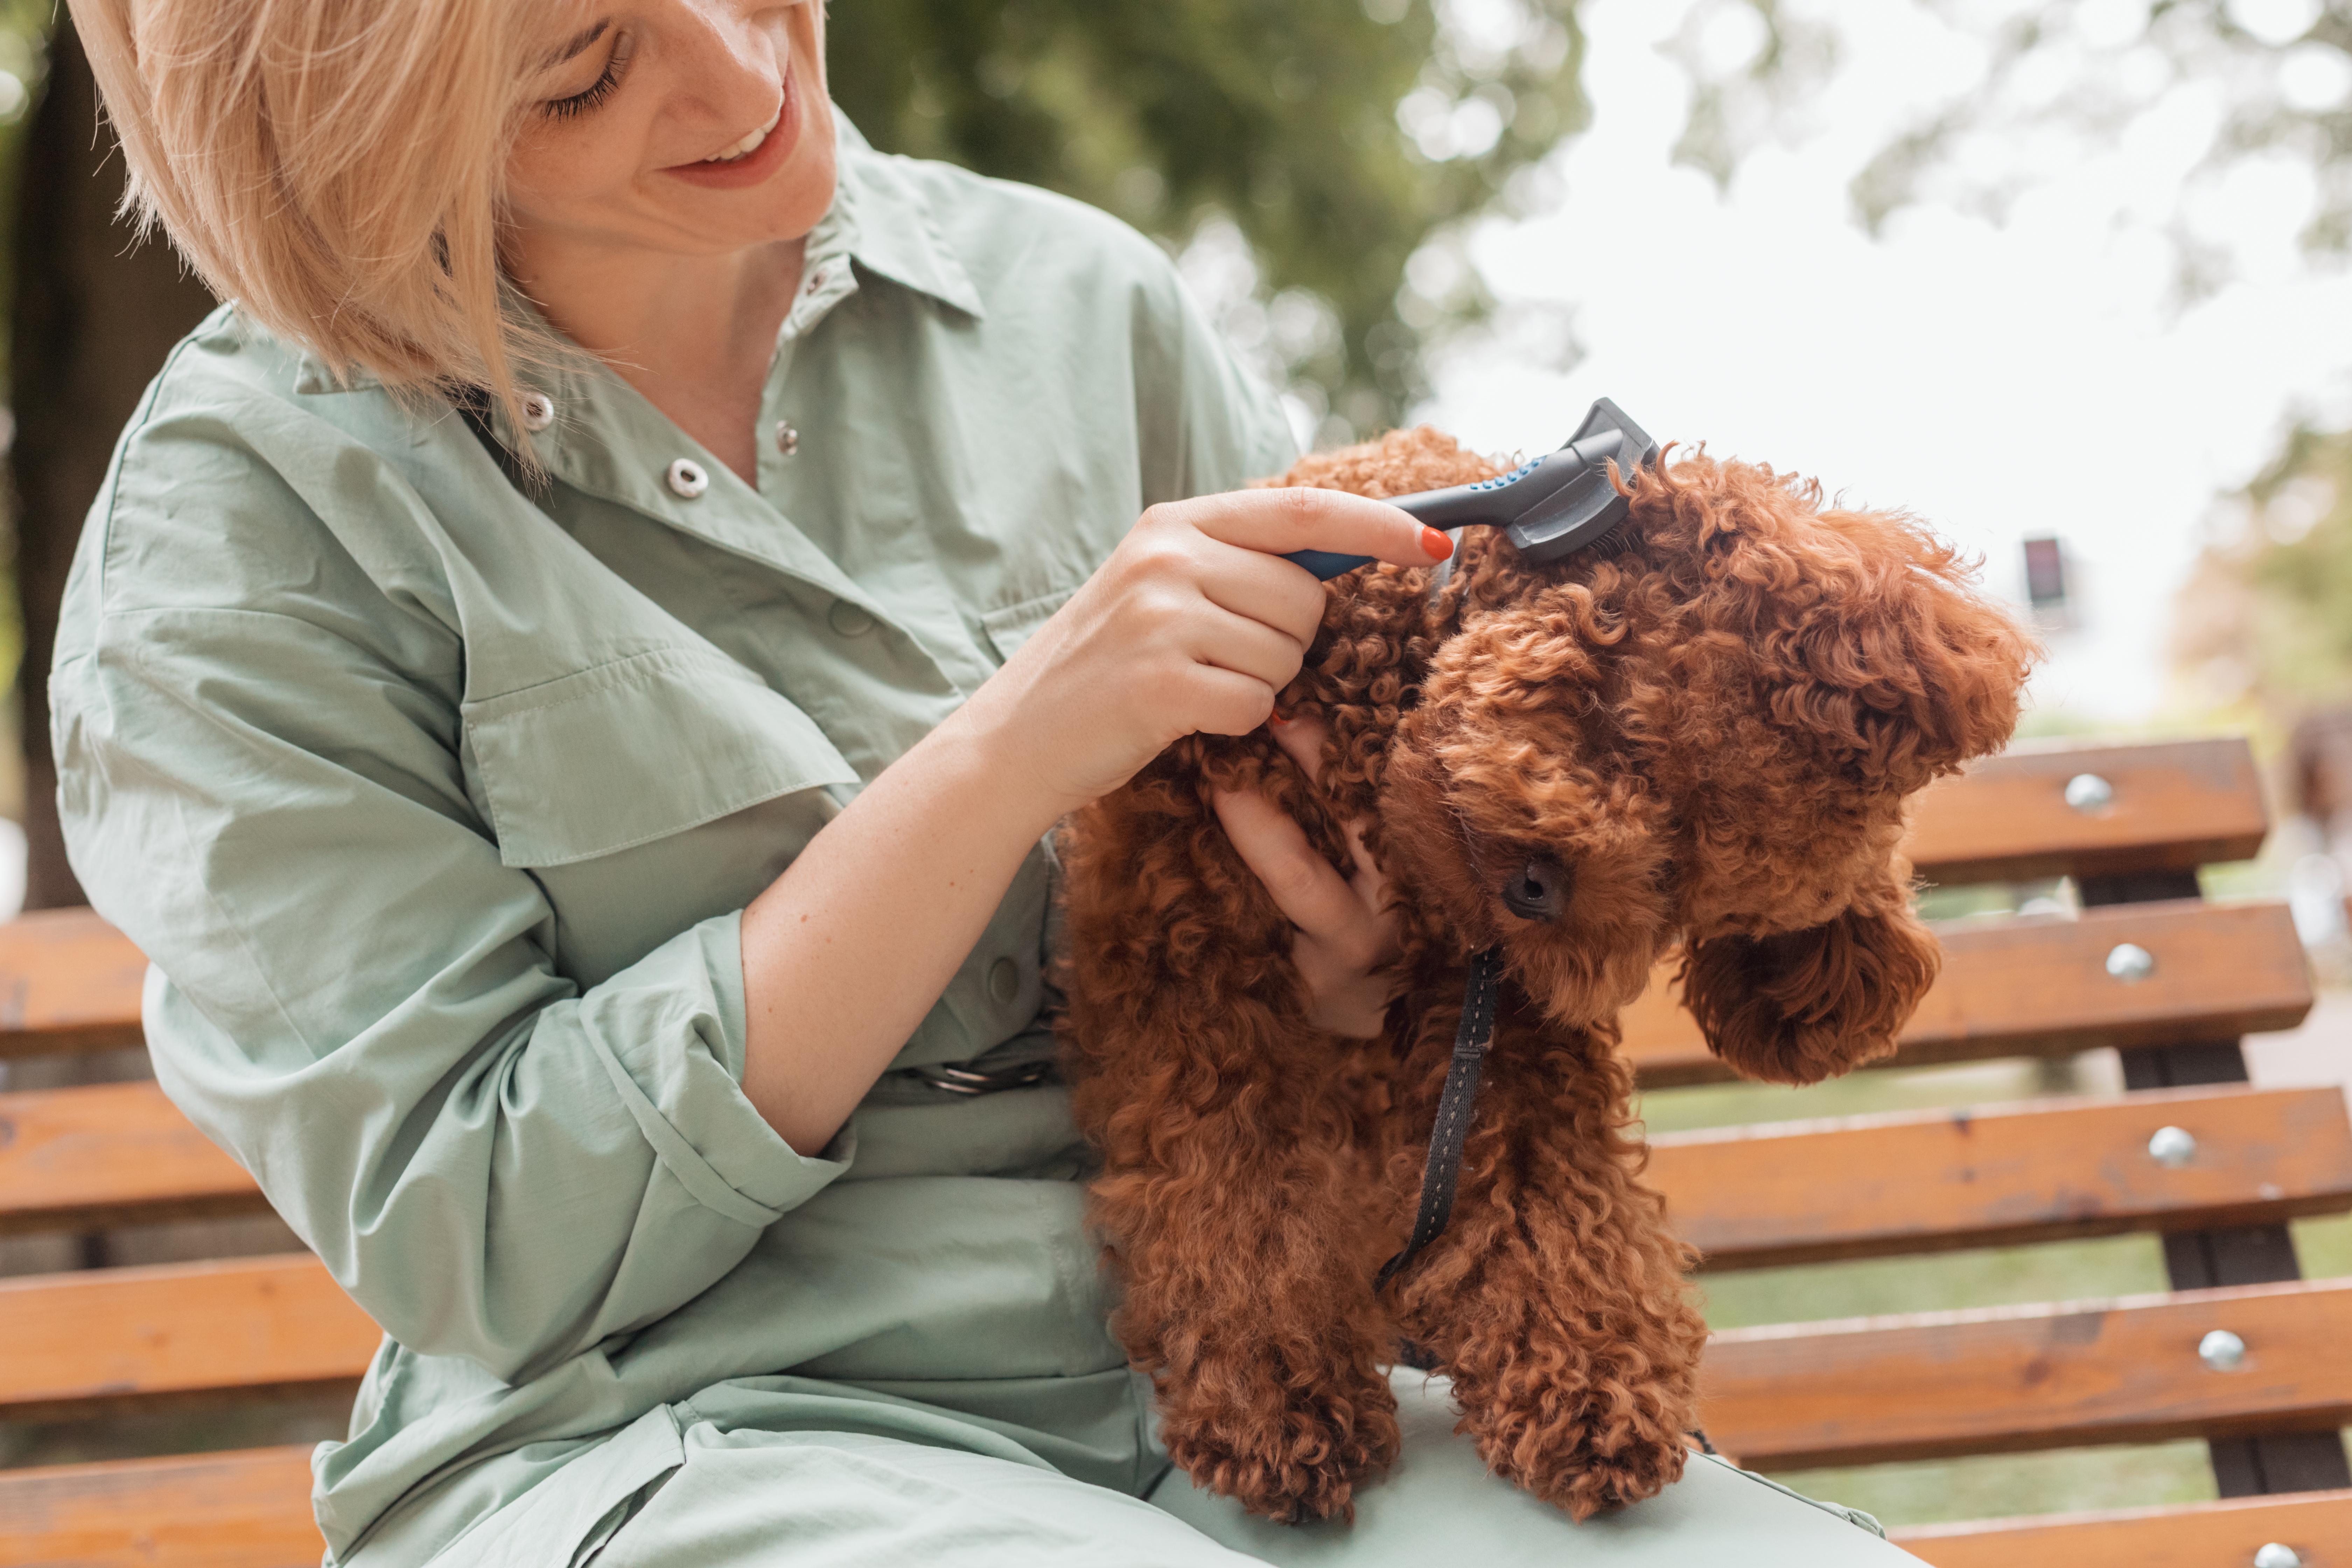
{"x":2067,"y":280}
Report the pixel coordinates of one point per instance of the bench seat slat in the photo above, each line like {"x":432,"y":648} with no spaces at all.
{"x":2224,"y":1535}
{"x":114,"y":1153}
{"x":111,"y":1335}
{"x":1933,"y":1384}
{"x":1873,"y":1186}
{"x":243,"y":1509}
{"x":2040,"y":985}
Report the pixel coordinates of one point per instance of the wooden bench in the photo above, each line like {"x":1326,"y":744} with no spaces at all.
{"x":1985,"y":1380}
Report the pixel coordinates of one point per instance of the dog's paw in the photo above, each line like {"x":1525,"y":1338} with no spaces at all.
{"x":1582,"y":1467}
{"x":1300,"y":1463}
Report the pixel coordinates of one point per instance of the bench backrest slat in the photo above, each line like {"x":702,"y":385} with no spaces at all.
{"x":2040,"y":985}
{"x":243,"y":1509}
{"x":1751,"y":1197}
{"x":111,"y":1335}
{"x":1918,"y":1387}
{"x":109,"y":1153}
{"x":2172,"y":804}
{"x":69,"y":982}
{"x":2010,"y":1378}
{"x":1877,"y":1186}
{"x":2317,"y":1526}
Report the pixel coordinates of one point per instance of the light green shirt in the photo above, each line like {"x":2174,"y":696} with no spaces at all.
{"x":434,"y":803}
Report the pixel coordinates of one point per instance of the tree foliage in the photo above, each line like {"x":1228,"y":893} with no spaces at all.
{"x":2059,"y":81}
{"x":1337,"y":135}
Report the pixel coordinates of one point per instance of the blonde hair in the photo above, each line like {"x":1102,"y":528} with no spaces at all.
{"x":334,"y":166}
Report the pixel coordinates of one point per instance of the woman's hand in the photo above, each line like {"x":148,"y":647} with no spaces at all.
{"x":1192,"y":624}
{"x":1346,"y":928}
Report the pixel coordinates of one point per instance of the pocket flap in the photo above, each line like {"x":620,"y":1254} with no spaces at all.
{"x":1011,"y":627}
{"x":636,"y":749}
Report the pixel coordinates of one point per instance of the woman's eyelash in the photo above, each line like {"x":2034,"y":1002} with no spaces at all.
{"x":580,"y":103}
{"x":599,"y":89}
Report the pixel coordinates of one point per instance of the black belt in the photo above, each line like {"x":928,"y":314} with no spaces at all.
{"x":1453,"y":1127}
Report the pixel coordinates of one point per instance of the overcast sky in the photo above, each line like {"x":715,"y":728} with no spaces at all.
{"x":2004,"y":382}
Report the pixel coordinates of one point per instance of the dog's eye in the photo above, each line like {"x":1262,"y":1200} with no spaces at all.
{"x":1538,"y":890}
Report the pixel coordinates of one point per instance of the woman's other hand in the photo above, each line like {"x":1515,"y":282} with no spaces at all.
{"x":1192,"y":624}
{"x":1347,"y":930}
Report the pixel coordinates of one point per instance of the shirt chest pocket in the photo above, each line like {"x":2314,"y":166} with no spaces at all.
{"x":635,"y":750}
{"x":1011,"y":627}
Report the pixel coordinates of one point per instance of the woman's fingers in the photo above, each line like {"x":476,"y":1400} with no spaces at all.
{"x":1250,"y":647}
{"x":1310,"y":894}
{"x":1279,"y":520}
{"x":1303,"y":740}
{"x":1264,"y":588}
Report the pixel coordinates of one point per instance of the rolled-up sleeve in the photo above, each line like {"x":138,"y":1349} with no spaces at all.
{"x":358,"y":999}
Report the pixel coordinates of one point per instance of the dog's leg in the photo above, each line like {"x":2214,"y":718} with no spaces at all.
{"x":1239,"y":1232}
{"x":1555,"y":1299}
{"x":1235,"y":1172}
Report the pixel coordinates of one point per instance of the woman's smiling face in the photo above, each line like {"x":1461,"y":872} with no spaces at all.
{"x":690,"y":127}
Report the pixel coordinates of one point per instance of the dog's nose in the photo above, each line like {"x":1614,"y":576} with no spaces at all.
{"x":1538,"y":890}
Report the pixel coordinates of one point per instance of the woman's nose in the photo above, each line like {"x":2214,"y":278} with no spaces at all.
{"x":732,"y":55}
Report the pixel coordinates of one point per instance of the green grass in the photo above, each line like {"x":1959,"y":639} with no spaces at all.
{"x":1990,"y":1277}
{"x":2067,"y":1480}
{"x":1899,"y":1088}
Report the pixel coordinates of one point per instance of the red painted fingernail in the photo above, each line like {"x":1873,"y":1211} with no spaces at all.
{"x":1276,"y":720}
{"x":1436,"y":543}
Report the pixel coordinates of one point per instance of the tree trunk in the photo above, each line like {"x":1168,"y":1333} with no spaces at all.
{"x":92,"y":320}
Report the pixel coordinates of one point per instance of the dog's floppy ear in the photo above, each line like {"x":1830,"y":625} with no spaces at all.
{"x":1802,"y":1006}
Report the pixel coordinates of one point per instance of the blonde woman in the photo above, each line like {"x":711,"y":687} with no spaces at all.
{"x":567,"y":679}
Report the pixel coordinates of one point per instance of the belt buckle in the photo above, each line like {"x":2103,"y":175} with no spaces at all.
{"x":973,"y":1081}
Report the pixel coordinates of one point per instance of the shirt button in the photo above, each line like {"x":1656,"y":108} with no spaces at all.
{"x":1004,"y":981}
{"x":816,"y":280}
{"x":687,"y":479}
{"x":788,"y":440}
{"x":850,"y":620}
{"x":537,"y":411}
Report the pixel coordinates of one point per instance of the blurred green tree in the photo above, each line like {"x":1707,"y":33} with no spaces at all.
{"x":2264,"y":626}
{"x":1339,"y":136}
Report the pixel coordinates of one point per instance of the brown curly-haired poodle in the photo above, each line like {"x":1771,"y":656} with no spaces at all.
{"x":1700,"y":735}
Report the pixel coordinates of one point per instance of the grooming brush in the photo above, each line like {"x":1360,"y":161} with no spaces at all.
{"x":1552,"y":507}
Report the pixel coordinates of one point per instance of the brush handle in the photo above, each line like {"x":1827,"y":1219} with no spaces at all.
{"x":1456,"y":506}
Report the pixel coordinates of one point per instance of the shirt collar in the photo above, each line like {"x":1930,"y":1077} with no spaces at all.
{"x":882,"y":217}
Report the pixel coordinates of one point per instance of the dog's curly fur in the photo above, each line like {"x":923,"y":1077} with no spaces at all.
{"x":1702,"y":735}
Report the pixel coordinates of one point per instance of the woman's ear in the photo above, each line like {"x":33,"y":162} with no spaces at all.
{"x":1802,"y":1006}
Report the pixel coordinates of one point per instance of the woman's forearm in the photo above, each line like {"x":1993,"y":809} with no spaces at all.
{"x":846,"y":950}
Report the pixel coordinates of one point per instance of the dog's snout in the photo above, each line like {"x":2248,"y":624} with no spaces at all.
{"x":1538,"y":889}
